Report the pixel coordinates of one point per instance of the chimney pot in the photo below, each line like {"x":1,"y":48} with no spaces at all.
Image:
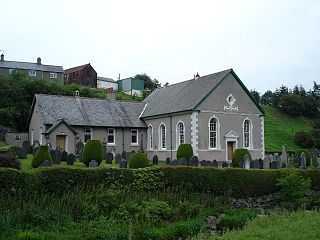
{"x":196,"y":76}
{"x":2,"y":57}
{"x":39,"y":60}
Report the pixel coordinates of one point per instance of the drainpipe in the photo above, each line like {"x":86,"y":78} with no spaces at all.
{"x":122,"y":139}
{"x":171,"y":138}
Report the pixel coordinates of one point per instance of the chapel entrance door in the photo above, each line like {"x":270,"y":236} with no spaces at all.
{"x":61,"y":142}
{"x":230,"y":150}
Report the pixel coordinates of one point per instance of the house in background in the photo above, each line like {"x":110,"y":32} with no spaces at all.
{"x":38,"y":70}
{"x":84,"y":75}
{"x":131,"y":86}
{"x":107,"y":83}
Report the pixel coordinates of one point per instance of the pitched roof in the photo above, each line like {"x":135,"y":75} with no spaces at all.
{"x":106,"y":79}
{"x":30,"y":66}
{"x":89,"y":111}
{"x":187,"y":95}
{"x":57,"y":124}
{"x":77,"y":68}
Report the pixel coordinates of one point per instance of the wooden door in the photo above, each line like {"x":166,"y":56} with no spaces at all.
{"x":230,"y":150}
{"x":61,"y":142}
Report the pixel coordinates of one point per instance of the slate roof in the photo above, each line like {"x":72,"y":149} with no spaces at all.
{"x":79,"y":111}
{"x":106,"y":79}
{"x":57,"y":124}
{"x":77,"y":68}
{"x":30,"y":66}
{"x":183,"y":96}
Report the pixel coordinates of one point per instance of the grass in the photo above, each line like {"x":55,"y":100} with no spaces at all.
{"x":280,"y":129}
{"x":127,"y":97}
{"x":285,"y":226}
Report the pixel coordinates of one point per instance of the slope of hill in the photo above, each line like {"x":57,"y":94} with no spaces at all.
{"x":280,"y":129}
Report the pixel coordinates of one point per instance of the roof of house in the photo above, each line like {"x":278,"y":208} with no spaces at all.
{"x":187,"y":95}
{"x":77,"y":68}
{"x":106,"y":79}
{"x":80,"y":111}
{"x":56,"y":124}
{"x":30,"y":66}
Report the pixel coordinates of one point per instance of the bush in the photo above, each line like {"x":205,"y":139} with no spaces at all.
{"x":156,"y":210}
{"x":93,"y":150}
{"x":9,"y":160}
{"x":42,"y":155}
{"x":236,"y":219}
{"x":298,"y":157}
{"x":185,"y":151}
{"x":138,"y":160}
{"x":304,"y":139}
{"x":13,"y":149}
{"x":238,"y":155}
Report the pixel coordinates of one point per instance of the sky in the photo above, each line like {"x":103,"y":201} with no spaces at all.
{"x":267,"y":43}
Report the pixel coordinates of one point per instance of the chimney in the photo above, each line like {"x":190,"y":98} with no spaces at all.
{"x":196,"y":76}
{"x":39,"y":60}
{"x":77,"y":93}
{"x":2,"y":57}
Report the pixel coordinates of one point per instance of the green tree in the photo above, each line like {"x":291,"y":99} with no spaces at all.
{"x":149,"y":84}
{"x":256,"y":95}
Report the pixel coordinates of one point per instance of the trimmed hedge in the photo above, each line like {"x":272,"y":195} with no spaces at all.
{"x":42,"y":155}
{"x":93,"y":150}
{"x":238,"y":155}
{"x":138,"y":160}
{"x":185,"y":151}
{"x":240,"y":182}
{"x":298,"y":156}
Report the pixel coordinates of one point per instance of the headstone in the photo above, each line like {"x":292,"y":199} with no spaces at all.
{"x":79,"y":148}
{"x":70,"y":159}
{"x":278,"y":160}
{"x":225,"y":164}
{"x":155,"y":160}
{"x":194,"y":161}
{"x":168,"y":161}
{"x":260,"y":163}
{"x":202,"y":163}
{"x":123,"y":164}
{"x":266,"y":163}
{"x":182,"y":162}
{"x":314,"y":158}
{"x":26,"y":144}
{"x":64,"y":156}
{"x":284,"y":154}
{"x":46,"y":163}
{"x":174,"y":162}
{"x":128,"y":155}
{"x":273,"y":165}
{"x":57,"y":158}
{"x":93,"y":164}
{"x":256,"y":164}
{"x":35,"y":150}
{"x":215,"y":164}
{"x":109,"y":158}
{"x":303,"y":162}
{"x":104,"y":147}
{"x":118,"y":158}
{"x":246,"y":162}
{"x":52,"y":153}
{"x":283,"y":165}
{"x":124,"y":155}
{"x":208,"y":163}
{"x":36,"y":144}
{"x":22,"y":153}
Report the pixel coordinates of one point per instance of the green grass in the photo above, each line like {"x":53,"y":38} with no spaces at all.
{"x":4,"y":146}
{"x":127,"y":97}
{"x":286,"y":226}
{"x":280,"y":129}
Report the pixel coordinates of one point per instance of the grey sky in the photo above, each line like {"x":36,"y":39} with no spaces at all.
{"x":267,"y":43}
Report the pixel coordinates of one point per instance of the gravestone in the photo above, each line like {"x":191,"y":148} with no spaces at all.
{"x":57,"y":156}
{"x":93,"y":164}
{"x":255,"y":164}
{"x":109,"y":158}
{"x":194,"y":161}
{"x":79,"y":148}
{"x":246,"y":162}
{"x":46,"y":163}
{"x":225,"y":164}
{"x":128,"y":155}
{"x":215,"y":164}
{"x":168,"y":161}
{"x":303,"y":162}
{"x":124,"y":155}
{"x":284,"y":154}
{"x":36,"y":144}
{"x":22,"y":153}
{"x":260,"y":163}
{"x":70,"y":159}
{"x":27,"y":146}
{"x":104,"y":147}
{"x":35,"y":150}
{"x":273,"y":165}
{"x":64,"y":156}
{"x":118,"y":158}
{"x":174,"y":162}
{"x":283,"y":165}
{"x":202,"y":163}
{"x":314,"y":158}
{"x":266,"y":163}
{"x":182,"y":162}
{"x":155,"y":160}
{"x":208,"y":163}
{"x":278,"y":160}
{"x":123,"y":164}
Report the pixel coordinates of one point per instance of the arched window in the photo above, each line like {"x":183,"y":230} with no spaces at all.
{"x":213,"y":127}
{"x":246,"y":133}
{"x":150,"y":137}
{"x":180,"y":133}
{"x":162,"y":136}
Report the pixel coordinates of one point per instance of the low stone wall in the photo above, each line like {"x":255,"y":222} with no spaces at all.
{"x":15,"y":138}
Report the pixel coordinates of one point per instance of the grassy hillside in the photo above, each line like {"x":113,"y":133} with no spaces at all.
{"x":280,"y":128}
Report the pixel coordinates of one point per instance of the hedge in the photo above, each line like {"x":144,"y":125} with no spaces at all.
{"x":93,"y":150}
{"x":185,"y":151}
{"x":42,"y":155}
{"x":238,"y":156}
{"x":240,"y":182}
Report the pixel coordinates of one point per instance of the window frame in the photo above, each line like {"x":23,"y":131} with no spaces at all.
{"x":150,"y":137}
{"x":137,"y":136}
{"x":53,"y":75}
{"x":179,"y":133}
{"x":162,"y":137}
{"x":32,"y":73}
{"x":215,"y":131}
{"x":113,"y":135}
{"x":247,"y":133}
{"x":87,"y":134}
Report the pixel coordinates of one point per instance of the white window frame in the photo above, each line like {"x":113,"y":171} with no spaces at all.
{"x":137,"y":142}
{"x":114,"y":137}
{"x":32,"y":73}
{"x":87,"y":133}
{"x":17,"y":137}
{"x":249,"y":132}
{"x":217,"y":131}
{"x":53,"y":75}
{"x":161,"y":147}
{"x":12,"y":70}
{"x":150,"y":137}
{"x":178,"y":134}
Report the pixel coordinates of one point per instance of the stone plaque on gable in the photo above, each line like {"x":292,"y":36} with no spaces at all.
{"x":93,"y":164}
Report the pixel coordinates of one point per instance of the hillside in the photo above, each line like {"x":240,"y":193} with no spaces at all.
{"x":280,"y":128}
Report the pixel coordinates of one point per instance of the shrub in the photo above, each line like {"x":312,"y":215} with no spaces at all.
{"x":298,"y":157}
{"x":13,"y":149}
{"x":185,"y":151}
{"x":304,"y":139}
{"x":293,"y":187}
{"x":9,"y":160}
{"x":138,"y":160}
{"x":156,"y":210}
{"x":42,"y":155}
{"x":93,"y":150}
{"x":238,"y":155}
{"x":236,"y":219}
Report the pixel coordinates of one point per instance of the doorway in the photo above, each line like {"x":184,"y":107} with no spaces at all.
{"x":61,"y":142}
{"x":230,"y":148}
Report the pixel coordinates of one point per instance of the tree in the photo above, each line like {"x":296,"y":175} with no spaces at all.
{"x":256,"y":95}
{"x":149,"y":84}
{"x":267,"y":98}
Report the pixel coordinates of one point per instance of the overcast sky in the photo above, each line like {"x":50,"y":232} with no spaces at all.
{"x":267,"y":43}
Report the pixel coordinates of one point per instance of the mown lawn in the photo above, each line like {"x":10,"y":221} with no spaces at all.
{"x":280,"y":129}
{"x":285,"y":226}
